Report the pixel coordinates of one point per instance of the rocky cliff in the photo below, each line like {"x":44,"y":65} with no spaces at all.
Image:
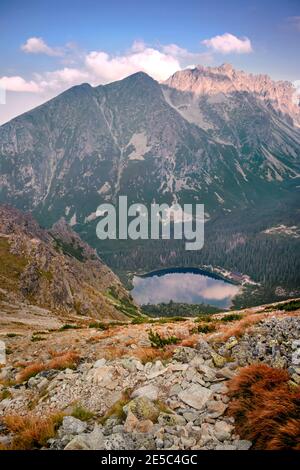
{"x":55,"y":269}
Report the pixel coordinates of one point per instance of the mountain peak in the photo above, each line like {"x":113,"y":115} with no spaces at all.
{"x":208,"y":81}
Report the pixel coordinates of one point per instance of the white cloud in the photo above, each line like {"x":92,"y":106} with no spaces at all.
{"x":99,"y":67}
{"x":19,"y":84}
{"x":107,"y":68}
{"x":228,"y":43}
{"x":36,"y":45}
{"x":61,"y":78}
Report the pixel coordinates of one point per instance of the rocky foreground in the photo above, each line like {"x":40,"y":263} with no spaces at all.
{"x":119,"y":399}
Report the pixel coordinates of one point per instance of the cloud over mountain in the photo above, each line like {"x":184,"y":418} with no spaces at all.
{"x":228,"y":43}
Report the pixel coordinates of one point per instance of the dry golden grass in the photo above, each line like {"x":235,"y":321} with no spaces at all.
{"x":151,"y":354}
{"x":266,"y":410}
{"x":31,"y":432}
{"x":30,"y":371}
{"x":94,"y":339}
{"x":66,"y":360}
{"x":190,"y":342}
{"x":114,"y":352}
{"x":237,"y":328}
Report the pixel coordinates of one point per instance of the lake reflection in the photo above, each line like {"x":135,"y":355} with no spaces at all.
{"x":185,"y":287}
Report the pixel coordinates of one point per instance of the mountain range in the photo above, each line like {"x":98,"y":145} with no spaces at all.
{"x":212,"y":135}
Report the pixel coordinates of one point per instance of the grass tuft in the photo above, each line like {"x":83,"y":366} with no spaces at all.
{"x":265,"y":409}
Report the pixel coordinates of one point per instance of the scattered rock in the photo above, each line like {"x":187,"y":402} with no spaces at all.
{"x":149,"y":391}
{"x":72,"y":426}
{"x":195,"y":396}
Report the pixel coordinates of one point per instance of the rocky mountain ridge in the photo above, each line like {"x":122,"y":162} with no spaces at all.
{"x":281,"y":95}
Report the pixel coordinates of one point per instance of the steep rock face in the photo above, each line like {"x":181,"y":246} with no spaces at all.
{"x":56,"y":270}
{"x":280,"y":95}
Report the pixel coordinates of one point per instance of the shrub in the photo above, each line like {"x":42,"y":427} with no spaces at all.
{"x":266,"y":411}
{"x":69,"y":327}
{"x":158,"y":341}
{"x":31,"y":432}
{"x":35,"y":338}
{"x":289,"y":306}
{"x":206,"y":318}
{"x":82,"y":413}
{"x":68,"y":360}
{"x":206,"y":328}
{"x":141,"y":320}
{"x":231,"y":317}
{"x":98,"y":325}
{"x":5,"y":393}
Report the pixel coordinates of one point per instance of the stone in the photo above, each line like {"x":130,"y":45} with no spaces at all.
{"x":170,"y":419}
{"x":130,"y":422}
{"x":190,"y":416}
{"x":184,"y":354}
{"x":177,"y":367}
{"x":243,"y":444}
{"x":88,"y":441}
{"x":224,"y":373}
{"x":175,"y":390}
{"x":222,"y":430}
{"x":42,"y":384}
{"x":188,"y":442}
{"x":207,"y":371}
{"x":197,"y":361}
{"x":102,"y":375}
{"x":296,"y":378}
{"x":195,"y":396}
{"x":225,"y":447}
{"x":143,"y":441}
{"x":216,"y":408}
{"x":149,"y":391}
{"x":119,"y":442}
{"x":231,"y":342}
{"x":132,"y":364}
{"x":78,"y":443}
{"x":219,"y":361}
{"x":71,"y":425}
{"x":144,"y":426}
{"x":279,"y":362}
{"x":99,"y":363}
{"x":142,"y":408}
{"x":219,"y":388}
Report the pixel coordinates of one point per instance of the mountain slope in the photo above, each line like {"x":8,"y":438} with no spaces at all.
{"x":54,"y":269}
{"x":138,"y":138}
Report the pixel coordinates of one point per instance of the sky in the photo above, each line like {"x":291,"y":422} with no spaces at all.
{"x":48,"y":46}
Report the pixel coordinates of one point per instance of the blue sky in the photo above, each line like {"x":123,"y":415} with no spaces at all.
{"x":46,"y":47}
